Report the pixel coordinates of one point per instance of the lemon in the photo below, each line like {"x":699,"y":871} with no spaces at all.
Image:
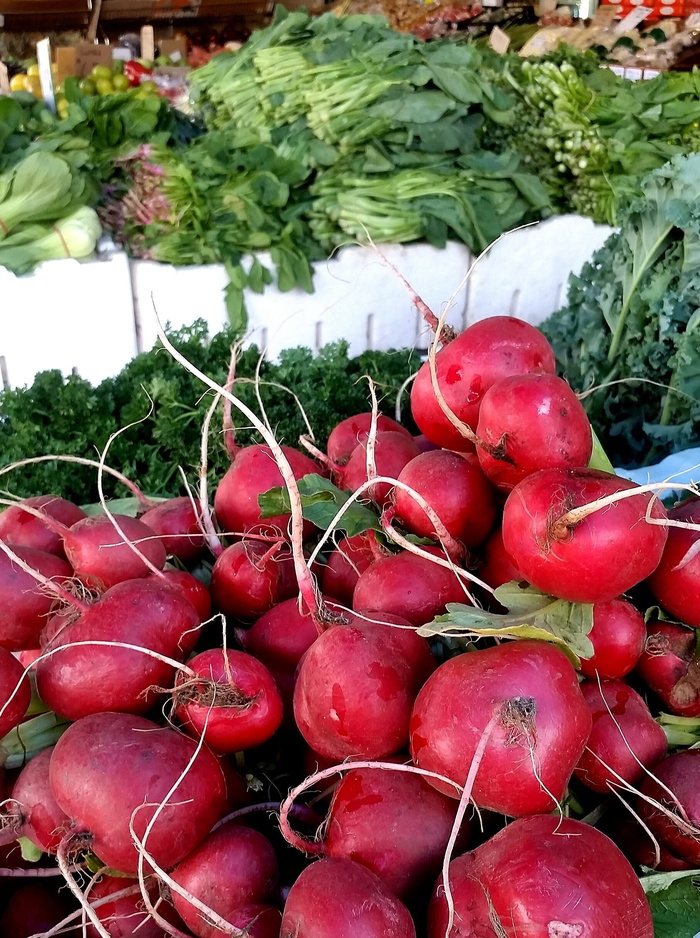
{"x":33,"y":71}
{"x":18,"y":83}
{"x":33,"y":85}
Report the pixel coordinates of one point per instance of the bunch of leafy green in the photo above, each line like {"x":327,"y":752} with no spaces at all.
{"x":58,"y":415}
{"x":22,"y":119}
{"x":631,"y":329}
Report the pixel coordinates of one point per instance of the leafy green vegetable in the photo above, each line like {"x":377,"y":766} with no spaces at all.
{"x":675,"y":903}
{"x":320,"y":501}
{"x":74,"y":236}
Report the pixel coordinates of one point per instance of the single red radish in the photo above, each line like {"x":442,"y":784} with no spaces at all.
{"x":563,"y":544}
{"x":101,"y":556}
{"x":250,"y":577}
{"x":337,"y":898}
{"x":542,"y":725}
{"x":356,"y":685}
{"x":638,"y":846}
{"x":484,"y":353}
{"x":618,"y":636}
{"x":670,"y":666}
{"x":15,"y":692}
{"x":675,"y":784}
{"x":280,"y":637}
{"x":236,"y":705}
{"x":192,"y":588}
{"x":675,"y":583}
{"x":498,"y":567}
{"x":253,"y":472}
{"x":530,"y":422}
{"x":232,"y":868}
{"x":112,"y":769}
{"x":392,"y":452}
{"x":345,"y":564}
{"x":541,"y":876}
{"x":625,"y":738}
{"x":24,"y":604}
{"x":22,"y":529}
{"x":80,"y":679}
{"x":40,"y":818}
{"x":409,"y":586}
{"x":33,"y":908}
{"x":349,"y":433}
{"x":177,"y":522}
{"x":455,"y":488}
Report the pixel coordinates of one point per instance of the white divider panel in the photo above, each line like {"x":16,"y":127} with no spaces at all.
{"x":67,"y":315}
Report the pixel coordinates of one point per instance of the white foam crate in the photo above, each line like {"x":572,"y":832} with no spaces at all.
{"x":94,"y":317}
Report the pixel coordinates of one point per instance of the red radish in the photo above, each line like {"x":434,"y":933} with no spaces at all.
{"x":13,"y":705}
{"x":76,"y":681}
{"x":455,"y":488}
{"x":336,"y":898}
{"x":498,"y":567}
{"x":625,"y":738}
{"x":670,"y":665}
{"x":232,"y":868}
{"x":249,"y":577}
{"x":541,"y":876}
{"x":563,"y":548}
{"x":531,"y":422}
{"x":236,"y":706}
{"x":253,"y":472}
{"x":21,"y":529}
{"x":350,"y":558}
{"x":100,"y":556}
{"x":484,"y":353}
{"x":543,"y":724}
{"x":24,"y":604}
{"x":393,"y":823}
{"x":192,"y":588}
{"x":349,"y":433}
{"x":33,"y":909}
{"x":391,"y":453}
{"x":675,"y":583}
{"x":424,"y":444}
{"x":126,"y":917}
{"x":172,"y":519}
{"x":356,"y":685}
{"x":639,"y":848}
{"x":409,"y":586}
{"x":109,"y":766}
{"x":618,"y":636}
{"x":41,"y":819}
{"x":678,"y":774}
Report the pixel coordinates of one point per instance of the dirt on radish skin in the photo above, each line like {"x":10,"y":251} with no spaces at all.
{"x":21,"y":529}
{"x":250,"y":577}
{"x":172,"y":519}
{"x":236,"y":707}
{"x":590,"y":560}
{"x":542,"y":727}
{"x":349,"y":433}
{"x":484,"y":353}
{"x":24,"y":604}
{"x":618,"y":637}
{"x":669,"y":665}
{"x":233,"y":868}
{"x":541,"y":877}
{"x":338,"y":898}
{"x":109,"y":766}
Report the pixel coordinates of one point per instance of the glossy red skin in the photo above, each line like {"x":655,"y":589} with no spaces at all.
{"x":542,"y":876}
{"x":233,"y":867}
{"x":88,"y":679}
{"x":392,"y":452}
{"x":280,"y":636}
{"x":681,"y":774}
{"x":44,"y":823}
{"x":127,"y":917}
{"x":177,"y":516}
{"x":607,"y":553}
{"x":33,"y":908}
{"x":483,"y":354}
{"x":355,"y":688}
{"x":246,"y":586}
{"x":618,"y":636}
{"x":232,"y":728}
{"x":455,"y":705}
{"x":14,"y":708}
{"x":346,"y":562}
{"x":625,"y":736}
{"x":678,"y":589}
{"x":455,"y":488}
{"x":100,"y":556}
{"x":541,"y":424}
{"x":346,"y":435}
{"x":253,"y":472}
{"x":193,"y":589}
{"x":409,"y":586}
{"x":498,"y":567}
{"x":335,"y":898}
{"x":395,"y":824}
{"x":670,"y":666}
{"x":107,"y":765}
{"x":24,"y":604}
{"x":24,"y":530}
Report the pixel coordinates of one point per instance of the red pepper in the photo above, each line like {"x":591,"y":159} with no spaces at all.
{"x":136,"y":73}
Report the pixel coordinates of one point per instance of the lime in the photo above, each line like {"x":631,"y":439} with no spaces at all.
{"x":149,"y":87}
{"x":87,"y":86}
{"x":101,"y":71}
{"x":104,"y":86}
{"x":120,"y":83}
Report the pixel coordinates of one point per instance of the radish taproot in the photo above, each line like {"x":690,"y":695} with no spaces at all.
{"x":542,"y":725}
{"x":23,"y":529}
{"x":125,"y":916}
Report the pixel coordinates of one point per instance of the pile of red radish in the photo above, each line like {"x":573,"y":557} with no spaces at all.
{"x":303,"y":763}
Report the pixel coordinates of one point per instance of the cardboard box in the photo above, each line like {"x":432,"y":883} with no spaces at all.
{"x":88,"y":55}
